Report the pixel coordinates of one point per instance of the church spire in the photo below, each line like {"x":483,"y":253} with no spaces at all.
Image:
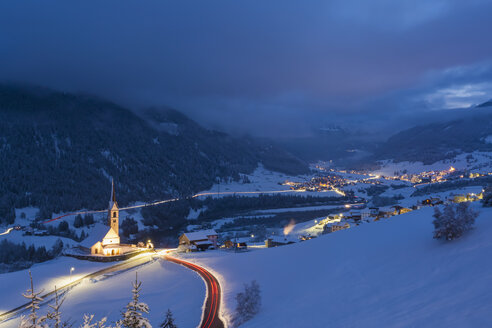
{"x":113,"y":193}
{"x":113,"y":211}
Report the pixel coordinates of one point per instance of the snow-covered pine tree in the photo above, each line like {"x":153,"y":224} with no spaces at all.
{"x":453,"y":221}
{"x":88,"y":318}
{"x":169,"y":320}
{"x":32,"y":320}
{"x":133,"y":316}
{"x":248,"y":303}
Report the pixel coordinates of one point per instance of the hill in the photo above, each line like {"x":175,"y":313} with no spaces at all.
{"x":389,"y":273}
{"x":429,"y":143}
{"x":58,"y":152}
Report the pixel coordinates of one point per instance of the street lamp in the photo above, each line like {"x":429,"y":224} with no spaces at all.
{"x":71,"y":270}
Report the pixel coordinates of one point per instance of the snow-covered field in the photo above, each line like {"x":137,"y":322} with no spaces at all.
{"x":263,"y":180}
{"x":165,"y":285}
{"x":389,"y":273}
{"x":18,"y":237}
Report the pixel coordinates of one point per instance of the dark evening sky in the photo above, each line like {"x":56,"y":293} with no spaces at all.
{"x":263,"y":67}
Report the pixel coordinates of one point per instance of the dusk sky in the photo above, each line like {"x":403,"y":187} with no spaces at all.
{"x":260,"y":67}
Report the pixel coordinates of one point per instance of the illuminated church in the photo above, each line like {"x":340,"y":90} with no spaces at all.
{"x":109,"y":244}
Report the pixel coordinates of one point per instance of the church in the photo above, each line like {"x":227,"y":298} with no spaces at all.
{"x":109,"y":244}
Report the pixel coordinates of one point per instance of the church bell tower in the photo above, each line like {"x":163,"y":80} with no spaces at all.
{"x":113,"y":211}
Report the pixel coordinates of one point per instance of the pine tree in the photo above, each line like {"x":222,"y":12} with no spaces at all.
{"x":88,"y":219}
{"x":169,"y":321}
{"x":453,"y":221}
{"x":98,"y":324}
{"x":78,"y":221}
{"x":32,"y":320}
{"x":133,"y":316}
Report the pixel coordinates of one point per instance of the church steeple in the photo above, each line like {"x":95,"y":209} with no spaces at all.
{"x":113,"y":211}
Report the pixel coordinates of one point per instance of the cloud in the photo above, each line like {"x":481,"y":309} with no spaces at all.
{"x":263,"y":67}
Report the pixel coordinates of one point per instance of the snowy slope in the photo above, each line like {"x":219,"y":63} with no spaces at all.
{"x":389,"y":273}
{"x":165,"y":285}
{"x":46,"y":275}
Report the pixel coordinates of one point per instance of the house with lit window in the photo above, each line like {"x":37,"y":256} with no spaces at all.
{"x":200,"y":239}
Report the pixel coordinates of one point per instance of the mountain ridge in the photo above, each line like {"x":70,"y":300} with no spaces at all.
{"x":59,"y":150}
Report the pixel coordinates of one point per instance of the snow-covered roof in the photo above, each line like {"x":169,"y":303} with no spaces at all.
{"x":282,"y":239}
{"x":203,"y":242}
{"x":95,"y":234}
{"x":111,"y":234}
{"x":200,"y":235}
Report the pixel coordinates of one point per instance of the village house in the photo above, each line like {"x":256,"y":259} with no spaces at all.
{"x":400,"y":210}
{"x":332,"y":227}
{"x":200,"y":239}
{"x":432,"y":201}
{"x":274,"y":241}
{"x":355,"y":215}
{"x":374,"y":211}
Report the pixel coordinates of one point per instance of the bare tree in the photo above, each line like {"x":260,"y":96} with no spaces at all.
{"x":248,"y":303}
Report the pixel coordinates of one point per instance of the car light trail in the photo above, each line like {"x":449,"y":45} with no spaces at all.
{"x":173,"y":200}
{"x":6,"y":231}
{"x":210,"y":318}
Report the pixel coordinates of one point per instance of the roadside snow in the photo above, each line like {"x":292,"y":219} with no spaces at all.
{"x":165,"y":285}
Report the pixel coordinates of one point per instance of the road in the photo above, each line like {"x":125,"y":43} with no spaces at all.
{"x":210,"y":318}
{"x":126,"y":265}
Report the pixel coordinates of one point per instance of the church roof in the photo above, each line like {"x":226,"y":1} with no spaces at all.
{"x":95,"y":234}
{"x":111,"y":234}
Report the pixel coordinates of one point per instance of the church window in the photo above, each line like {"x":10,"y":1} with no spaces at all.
{"x":114,"y":214}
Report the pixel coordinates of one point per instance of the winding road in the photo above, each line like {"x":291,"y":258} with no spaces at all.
{"x":210,"y":318}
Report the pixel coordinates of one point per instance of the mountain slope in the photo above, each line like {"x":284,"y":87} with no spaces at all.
{"x":58,"y":151}
{"x":389,"y":273}
{"x":433,"y":142}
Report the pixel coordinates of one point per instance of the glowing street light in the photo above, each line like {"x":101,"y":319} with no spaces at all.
{"x":71,"y":270}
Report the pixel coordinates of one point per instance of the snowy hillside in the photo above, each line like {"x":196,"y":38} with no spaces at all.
{"x":165,"y":286}
{"x":389,"y":273}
